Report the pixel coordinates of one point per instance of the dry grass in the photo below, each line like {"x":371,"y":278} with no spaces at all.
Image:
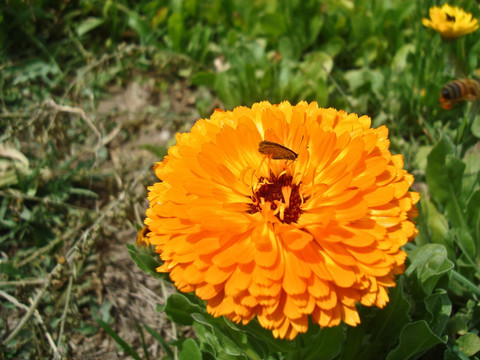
{"x":91,"y":273}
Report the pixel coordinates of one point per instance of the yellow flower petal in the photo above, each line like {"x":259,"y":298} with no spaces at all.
{"x":450,"y":21}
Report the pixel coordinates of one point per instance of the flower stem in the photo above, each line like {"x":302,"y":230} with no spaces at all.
{"x":465,"y":282}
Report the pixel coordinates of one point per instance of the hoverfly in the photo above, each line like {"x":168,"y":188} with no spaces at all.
{"x":457,"y":91}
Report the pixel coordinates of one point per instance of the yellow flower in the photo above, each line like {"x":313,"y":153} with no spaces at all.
{"x":450,"y":21}
{"x":255,"y":234}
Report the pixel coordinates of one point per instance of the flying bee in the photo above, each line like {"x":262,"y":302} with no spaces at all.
{"x":277,"y":151}
{"x":459,"y":90}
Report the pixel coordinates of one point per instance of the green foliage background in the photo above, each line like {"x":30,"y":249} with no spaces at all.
{"x":368,"y":57}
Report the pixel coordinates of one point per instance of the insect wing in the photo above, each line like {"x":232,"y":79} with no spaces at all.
{"x":277,"y":151}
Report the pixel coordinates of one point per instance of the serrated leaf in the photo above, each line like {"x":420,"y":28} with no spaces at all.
{"x":179,"y":309}
{"x":415,"y":339}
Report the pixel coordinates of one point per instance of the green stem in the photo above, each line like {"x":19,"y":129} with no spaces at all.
{"x":465,"y":282}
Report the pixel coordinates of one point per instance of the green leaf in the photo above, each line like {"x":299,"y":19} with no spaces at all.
{"x":316,"y":24}
{"x":388,"y":322}
{"x":362,"y":77}
{"x":415,"y":339}
{"x":476,"y":126}
{"x":225,"y":91}
{"x":435,"y":171}
{"x":190,"y":351}
{"x":158,"y":150}
{"x":142,"y":338}
{"x":466,"y":243}
{"x":179,"y":309}
{"x":220,"y":340}
{"x":469,"y":344}
{"x":161,"y":340}
{"x":273,"y":24}
{"x":400,"y":60}
{"x":454,"y":353}
{"x":122,"y":343}
{"x":472,"y":168}
{"x":145,"y":260}
{"x":83,"y":192}
{"x":333,"y":46}
{"x":429,"y":263}
{"x":287,"y":48}
{"x":421,"y":156}
{"x":175,"y":31}
{"x":458,"y":324}
{"x":254,"y":329}
{"x":204,"y":78}
{"x":444,"y":178}
{"x":439,"y":308}
{"x":381,"y":327}
{"x":437,"y":224}
{"x":473,"y":212}
{"x":139,"y":26}
{"x":326,"y":344}
{"x":88,"y":25}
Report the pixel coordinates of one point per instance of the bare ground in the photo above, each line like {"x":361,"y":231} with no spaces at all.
{"x":105,"y":282}
{"x":132,"y":294}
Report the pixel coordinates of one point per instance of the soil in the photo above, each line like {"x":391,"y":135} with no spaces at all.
{"x":120,"y":284}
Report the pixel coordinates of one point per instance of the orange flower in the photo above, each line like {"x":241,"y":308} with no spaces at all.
{"x":280,"y":239}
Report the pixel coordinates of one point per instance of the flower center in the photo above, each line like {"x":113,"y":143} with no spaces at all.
{"x":450,"y":18}
{"x":283,"y":197}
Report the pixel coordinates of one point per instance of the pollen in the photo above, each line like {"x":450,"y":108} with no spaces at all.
{"x":284,"y":197}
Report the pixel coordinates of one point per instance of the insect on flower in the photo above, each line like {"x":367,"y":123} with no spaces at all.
{"x":459,"y":90}
{"x":277,"y":151}
{"x":142,"y":239}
